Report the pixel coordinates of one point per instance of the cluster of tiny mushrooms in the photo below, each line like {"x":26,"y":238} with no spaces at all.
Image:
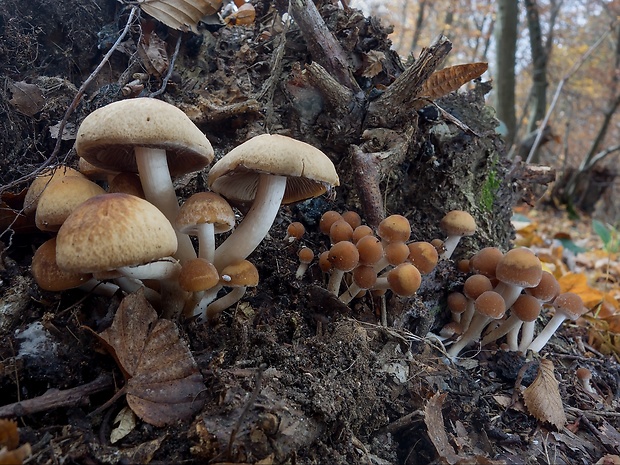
{"x":136,"y":236}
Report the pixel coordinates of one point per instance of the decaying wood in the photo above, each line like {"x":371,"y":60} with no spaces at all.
{"x":337,"y":95}
{"x":55,"y":398}
{"x":366,"y":174}
{"x":397,"y":103}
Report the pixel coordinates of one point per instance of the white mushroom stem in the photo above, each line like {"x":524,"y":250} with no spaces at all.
{"x":509,"y":292}
{"x":206,"y":241}
{"x":256,"y":224}
{"x":527,"y":335}
{"x":547,"y":332}
{"x":478,"y":322}
{"x":510,"y":326}
{"x":158,"y":189}
{"x":98,"y":287}
{"x":209,"y":296}
{"x":335,"y":278}
{"x":449,"y":246}
{"x":166,"y":271}
{"x":467,"y":315}
{"x":130,"y":285}
{"x":213,"y":310}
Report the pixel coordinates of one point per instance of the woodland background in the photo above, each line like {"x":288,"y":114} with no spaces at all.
{"x":556,"y":56}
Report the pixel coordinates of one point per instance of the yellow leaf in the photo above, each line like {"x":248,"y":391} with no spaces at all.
{"x":578,"y":283}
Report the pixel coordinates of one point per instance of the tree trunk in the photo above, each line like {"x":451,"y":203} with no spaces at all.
{"x":419,"y":24}
{"x":506,"y":44}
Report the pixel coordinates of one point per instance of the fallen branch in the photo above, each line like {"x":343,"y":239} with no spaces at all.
{"x":55,"y":398}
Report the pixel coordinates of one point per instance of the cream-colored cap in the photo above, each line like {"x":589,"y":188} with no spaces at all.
{"x":106,"y":138}
{"x":113,"y":230}
{"x":310,"y":172}
{"x":60,"y":198}
{"x":39,"y":184}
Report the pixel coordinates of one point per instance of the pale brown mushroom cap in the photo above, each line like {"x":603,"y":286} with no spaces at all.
{"x":205,"y":207}
{"x":60,"y":198}
{"x":570,"y":305}
{"x":519,"y":267}
{"x":394,"y":228}
{"x":309,"y":171}
{"x":526,"y":308}
{"x":344,"y":256}
{"x":490,"y":304}
{"x":198,"y":275}
{"x":547,"y":289}
{"x":242,"y":274}
{"x":423,"y":255}
{"x":404,"y":280}
{"x":475,"y":285}
{"x":107,"y":137}
{"x":113,"y":230}
{"x":458,"y":223}
{"x":485,"y":261}
{"x":31,"y":199}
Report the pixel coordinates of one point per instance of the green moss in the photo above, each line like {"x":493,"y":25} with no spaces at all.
{"x":488,"y":191}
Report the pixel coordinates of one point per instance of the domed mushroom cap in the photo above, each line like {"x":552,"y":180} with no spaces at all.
{"x":458,"y":223}
{"x":570,"y":305}
{"x":309,"y":171}
{"x":46,"y":273}
{"x":31,"y":200}
{"x":519,"y":267}
{"x":113,"y":230}
{"x":241,"y":274}
{"x":198,"y":275}
{"x":107,"y":137}
{"x":205,"y":207}
{"x":490,"y":304}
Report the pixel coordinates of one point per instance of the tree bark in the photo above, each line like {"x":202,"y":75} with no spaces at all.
{"x":506,"y":40}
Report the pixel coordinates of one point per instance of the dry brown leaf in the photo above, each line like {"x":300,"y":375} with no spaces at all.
{"x":152,"y":52}
{"x":542,"y":397}
{"x":447,"y":80}
{"x":27,"y":98}
{"x":373,"y":63}
{"x":10,"y":454}
{"x":164,"y":384}
{"x":433,"y":418}
{"x":183,"y":15}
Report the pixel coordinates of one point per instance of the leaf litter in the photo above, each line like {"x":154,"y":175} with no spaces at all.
{"x":164,"y":384}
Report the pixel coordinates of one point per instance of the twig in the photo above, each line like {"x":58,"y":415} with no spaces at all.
{"x":164,"y":82}
{"x":558,"y":90}
{"x":246,"y":408}
{"x":54,"y":398}
{"x":74,"y":103}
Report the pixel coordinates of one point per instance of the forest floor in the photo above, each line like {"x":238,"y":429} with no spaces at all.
{"x":290,"y":374}
{"x":341,"y":388}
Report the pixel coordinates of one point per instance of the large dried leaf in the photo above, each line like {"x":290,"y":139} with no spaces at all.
{"x":152,"y":52}
{"x":448,"y":80}
{"x":163,"y":382}
{"x":542,"y":397}
{"x":183,"y":15}
{"x":27,"y":98}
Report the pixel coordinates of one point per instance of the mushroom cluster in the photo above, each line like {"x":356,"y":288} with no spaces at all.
{"x":520,"y":288}
{"x":136,"y":235}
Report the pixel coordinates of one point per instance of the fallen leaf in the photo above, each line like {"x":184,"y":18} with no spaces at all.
{"x":164,"y":384}
{"x":542,"y":397}
{"x":433,"y":418}
{"x":126,"y":422}
{"x":449,"y":79}
{"x":27,"y":98}
{"x":373,"y":61}
{"x":152,"y":52}
{"x":578,"y":284}
{"x":182,"y":15}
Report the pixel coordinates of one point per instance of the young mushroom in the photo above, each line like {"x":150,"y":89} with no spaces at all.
{"x":455,"y":224}
{"x":204,"y":215}
{"x":343,"y":257}
{"x":567,"y":306}
{"x":525,"y":309}
{"x":305,"y":255}
{"x":150,"y":137}
{"x":265,"y":172}
{"x":518,"y":269}
{"x":489,"y":306}
{"x":239,"y":277}
{"x":584,"y":376}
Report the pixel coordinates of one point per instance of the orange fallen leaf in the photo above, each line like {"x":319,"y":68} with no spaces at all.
{"x":164,"y":384}
{"x":578,"y":283}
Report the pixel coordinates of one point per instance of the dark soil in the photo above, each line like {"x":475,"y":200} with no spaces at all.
{"x":291,"y":374}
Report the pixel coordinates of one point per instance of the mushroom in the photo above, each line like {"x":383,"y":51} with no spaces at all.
{"x":364,"y":277}
{"x":394,"y":228}
{"x":567,"y":306}
{"x":239,"y":277}
{"x":472,"y":288}
{"x":547,"y":289}
{"x":361,"y":231}
{"x":457,"y":304}
{"x":31,"y":200}
{"x":485,"y":261}
{"x":370,"y":250}
{"x":343,"y":257}
{"x":489,"y":306}
{"x":525,"y":309}
{"x":60,"y":198}
{"x":305,"y":255}
{"x":294,"y":231}
{"x":518,"y":269}
{"x":203,"y":215}
{"x":152,"y":138}
{"x":266,"y":171}
{"x":120,"y":232}
{"x":340,"y":231}
{"x":126,"y":183}
{"x":455,"y":224}
{"x":423,"y":255}
{"x":197,"y":276}
{"x":327,"y":219}
{"x":50,"y":277}
{"x":353,"y":218}
{"x":584,"y":376}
